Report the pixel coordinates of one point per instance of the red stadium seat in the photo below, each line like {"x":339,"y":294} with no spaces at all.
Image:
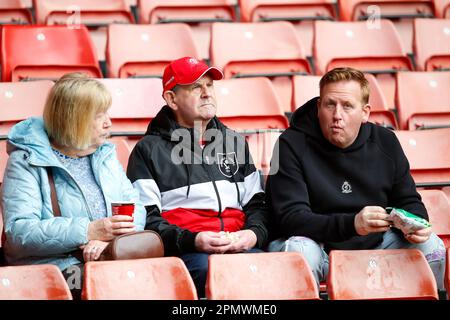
{"x":141,"y":279}
{"x":34,"y":282}
{"x":301,"y":13}
{"x":134,"y":103}
{"x":261,"y":145}
{"x":423,"y":100}
{"x":375,"y":50}
{"x":245,"y":50}
{"x":51,"y":51}
{"x":3,"y":162}
{"x":199,"y":14}
{"x":123,"y":150}
{"x":147,"y":50}
{"x":380,"y":274}
{"x":432,"y":44}
{"x":94,"y":14}
{"x":401,"y":12}
{"x":447,"y":271}
{"x":14,"y":12}
{"x":260,"y":276}
{"x":20,"y":100}
{"x":442,"y":8}
{"x":307,"y":87}
{"x":249,"y":103}
{"x":427,"y":152}
{"x":438,"y":207}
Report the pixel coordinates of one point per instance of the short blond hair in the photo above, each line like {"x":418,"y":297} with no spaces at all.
{"x":347,"y":74}
{"x":71,"y":107}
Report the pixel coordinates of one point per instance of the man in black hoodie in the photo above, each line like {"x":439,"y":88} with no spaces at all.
{"x":337,"y":174}
{"x":196,"y":178}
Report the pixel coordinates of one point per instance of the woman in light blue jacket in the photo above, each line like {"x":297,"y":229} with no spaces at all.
{"x":70,"y":140}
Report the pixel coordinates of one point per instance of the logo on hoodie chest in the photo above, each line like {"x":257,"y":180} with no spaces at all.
{"x":346,"y":187}
{"x":227,"y":163}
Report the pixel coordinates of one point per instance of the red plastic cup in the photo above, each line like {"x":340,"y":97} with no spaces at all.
{"x":123,"y":208}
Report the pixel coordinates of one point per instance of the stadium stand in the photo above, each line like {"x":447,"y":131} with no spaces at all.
{"x":20,"y":100}
{"x":427,"y":153}
{"x":279,"y":56}
{"x":34,"y":282}
{"x":260,"y":276}
{"x":423,"y":100}
{"x":142,"y":279}
{"x":372,"y":50}
{"x":401,"y":12}
{"x":301,"y":13}
{"x":432,"y":44}
{"x":438,"y":207}
{"x":14,"y":12}
{"x":199,"y":14}
{"x":96,"y":15}
{"x":51,"y":52}
{"x":307,"y":87}
{"x":147,"y":51}
{"x":380,"y":274}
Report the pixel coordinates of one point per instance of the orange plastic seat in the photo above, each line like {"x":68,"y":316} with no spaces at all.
{"x":438,"y":208}
{"x":249,"y":103}
{"x":380,"y":274}
{"x":33,"y":282}
{"x":20,"y":100}
{"x":307,"y":87}
{"x":301,"y":13}
{"x":423,"y":100}
{"x":442,"y":8}
{"x":14,"y":12}
{"x":427,"y":153}
{"x":96,"y":15}
{"x":260,"y":276}
{"x":142,"y":279}
{"x":123,"y":150}
{"x":372,"y":50}
{"x":51,"y":51}
{"x":134,"y":103}
{"x":279,"y":56}
{"x":401,"y":12}
{"x":148,"y":50}
{"x":432,"y":44}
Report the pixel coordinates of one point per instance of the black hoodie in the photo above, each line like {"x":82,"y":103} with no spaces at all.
{"x":197,"y":193}
{"x":319,"y":188}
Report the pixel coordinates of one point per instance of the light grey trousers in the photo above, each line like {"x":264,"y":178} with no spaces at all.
{"x":433,"y":250}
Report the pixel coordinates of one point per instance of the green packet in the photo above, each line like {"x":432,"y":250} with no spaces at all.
{"x":406,"y":221}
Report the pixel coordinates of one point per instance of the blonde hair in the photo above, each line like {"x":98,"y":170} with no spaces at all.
{"x":347,"y":74}
{"x":71,"y":107}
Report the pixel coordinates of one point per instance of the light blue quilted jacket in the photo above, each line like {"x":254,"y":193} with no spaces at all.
{"x":33,"y":234}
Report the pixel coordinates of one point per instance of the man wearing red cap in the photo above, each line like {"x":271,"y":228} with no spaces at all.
{"x":195,"y":176}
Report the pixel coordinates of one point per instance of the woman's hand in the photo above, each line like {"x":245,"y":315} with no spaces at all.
{"x":107,"y":229}
{"x":93,"y":249}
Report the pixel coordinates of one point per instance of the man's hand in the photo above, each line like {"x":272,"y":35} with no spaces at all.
{"x":246,"y":239}
{"x":419,"y":236}
{"x":107,"y":229}
{"x":211,"y":242}
{"x":371,"y":219}
{"x":93,"y":249}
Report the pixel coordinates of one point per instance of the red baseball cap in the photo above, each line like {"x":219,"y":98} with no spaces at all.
{"x":187,"y":70}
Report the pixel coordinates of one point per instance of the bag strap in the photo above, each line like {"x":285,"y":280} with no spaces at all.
{"x":55,"y":204}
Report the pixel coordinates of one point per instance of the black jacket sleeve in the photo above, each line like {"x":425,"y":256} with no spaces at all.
{"x":288,"y":196}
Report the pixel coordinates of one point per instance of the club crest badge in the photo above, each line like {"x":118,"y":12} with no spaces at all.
{"x":227,"y":163}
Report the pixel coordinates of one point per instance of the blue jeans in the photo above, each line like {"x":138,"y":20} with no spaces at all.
{"x":197,"y":264}
{"x":433,"y":250}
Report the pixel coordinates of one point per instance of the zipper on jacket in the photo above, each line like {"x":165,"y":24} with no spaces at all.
{"x":207,"y":168}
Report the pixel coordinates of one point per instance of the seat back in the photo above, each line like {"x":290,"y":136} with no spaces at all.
{"x":14,"y":12}
{"x":123,"y":150}
{"x":33,"y":282}
{"x":432,"y":44}
{"x":51,"y":52}
{"x":380,"y":274}
{"x":423,"y":99}
{"x":447,"y":271}
{"x":147,"y":51}
{"x":427,"y":153}
{"x":20,"y":100}
{"x":438,"y":207}
{"x":134,"y":103}
{"x":142,"y":279}
{"x":249,"y":103}
{"x":260,"y":276}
